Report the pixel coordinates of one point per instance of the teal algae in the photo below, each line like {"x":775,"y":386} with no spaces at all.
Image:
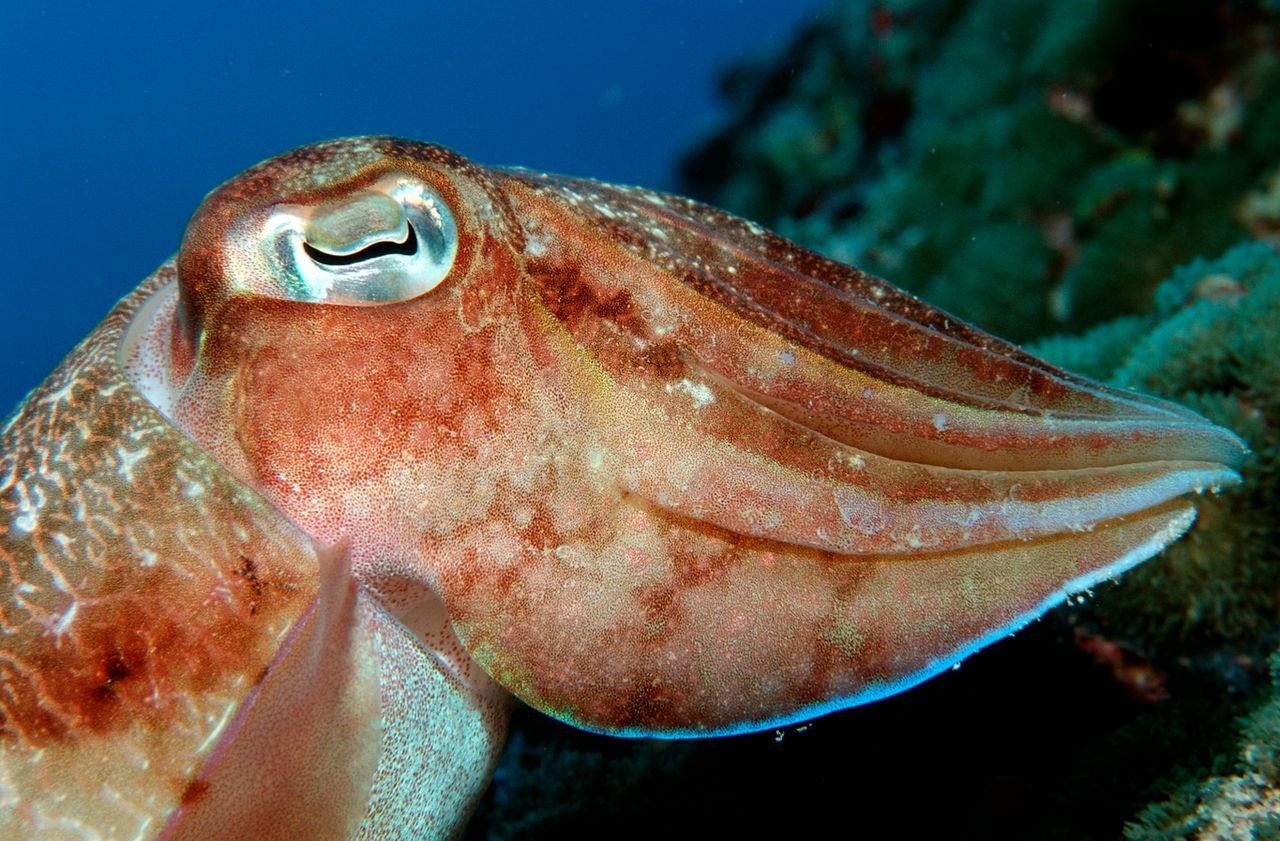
{"x":1031,"y":166}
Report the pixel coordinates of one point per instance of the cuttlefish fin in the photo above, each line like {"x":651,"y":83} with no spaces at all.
{"x":148,"y":594}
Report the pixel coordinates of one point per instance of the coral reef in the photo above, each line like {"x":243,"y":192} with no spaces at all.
{"x":1209,"y":607}
{"x":1242,"y":804}
{"x":1031,"y":166}
{"x":1210,"y":343}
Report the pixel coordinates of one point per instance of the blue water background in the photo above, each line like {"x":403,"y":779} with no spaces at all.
{"x":115,"y":119}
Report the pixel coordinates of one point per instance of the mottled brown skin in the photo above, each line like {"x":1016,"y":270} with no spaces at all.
{"x":647,"y":466}
{"x":133,"y":639}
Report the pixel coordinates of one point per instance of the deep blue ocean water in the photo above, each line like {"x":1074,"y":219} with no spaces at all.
{"x":117,"y":118}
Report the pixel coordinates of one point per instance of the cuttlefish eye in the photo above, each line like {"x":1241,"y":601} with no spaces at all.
{"x":389,"y":242}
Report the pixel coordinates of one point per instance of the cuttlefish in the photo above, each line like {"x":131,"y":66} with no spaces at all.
{"x":397,"y":436}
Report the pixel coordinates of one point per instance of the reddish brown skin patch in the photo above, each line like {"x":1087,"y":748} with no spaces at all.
{"x":136,"y":660}
{"x":1140,"y":679}
{"x":194,"y":792}
{"x":249,"y":572}
{"x":116,"y":616}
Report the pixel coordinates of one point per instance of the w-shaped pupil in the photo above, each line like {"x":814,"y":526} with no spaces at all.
{"x":379,"y":249}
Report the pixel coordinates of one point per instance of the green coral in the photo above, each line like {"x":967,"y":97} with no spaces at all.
{"x":1211,"y":344}
{"x":1242,"y":803}
{"x":1031,"y":166}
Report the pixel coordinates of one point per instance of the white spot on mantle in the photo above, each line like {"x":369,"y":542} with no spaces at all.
{"x":700,"y":392}
{"x":127,"y":461}
{"x":28,"y":511}
{"x":64,"y":622}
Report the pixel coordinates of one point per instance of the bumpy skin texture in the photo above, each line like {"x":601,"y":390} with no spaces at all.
{"x":181,"y":661}
{"x":653,"y":469}
{"x":150,"y":600}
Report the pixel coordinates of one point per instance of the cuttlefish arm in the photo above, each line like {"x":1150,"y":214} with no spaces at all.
{"x":825,"y":490}
{"x":647,"y":466}
{"x":179,"y":660}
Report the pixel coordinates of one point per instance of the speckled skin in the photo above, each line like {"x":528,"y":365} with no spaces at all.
{"x":651,"y":468}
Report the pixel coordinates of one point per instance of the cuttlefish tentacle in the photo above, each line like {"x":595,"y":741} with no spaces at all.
{"x":740,"y":634}
{"x":839,"y":350}
{"x":973,"y":470}
{"x":738,"y":466}
{"x":640,"y":619}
